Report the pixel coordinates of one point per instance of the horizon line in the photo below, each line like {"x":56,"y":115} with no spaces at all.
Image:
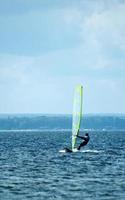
{"x":60,"y":114}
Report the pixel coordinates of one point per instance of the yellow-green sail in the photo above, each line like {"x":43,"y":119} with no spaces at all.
{"x":77,"y":114}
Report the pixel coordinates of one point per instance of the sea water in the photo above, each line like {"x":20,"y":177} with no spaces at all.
{"x":31,"y":166}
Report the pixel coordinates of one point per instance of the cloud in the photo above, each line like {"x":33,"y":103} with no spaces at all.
{"x":14,"y":69}
{"x":108,"y":26}
{"x":103,"y":32}
{"x":82,"y":43}
{"x":39,"y":86}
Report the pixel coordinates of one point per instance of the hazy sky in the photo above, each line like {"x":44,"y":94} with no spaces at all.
{"x":49,"y":46}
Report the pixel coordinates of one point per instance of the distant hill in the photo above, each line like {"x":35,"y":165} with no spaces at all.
{"x":95,"y":122}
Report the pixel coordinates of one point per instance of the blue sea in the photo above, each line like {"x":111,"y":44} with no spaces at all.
{"x":31,"y":166}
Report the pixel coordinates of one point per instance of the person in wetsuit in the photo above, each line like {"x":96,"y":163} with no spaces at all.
{"x":85,"y":139}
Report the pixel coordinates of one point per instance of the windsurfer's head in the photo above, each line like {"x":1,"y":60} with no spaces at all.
{"x":86,"y":134}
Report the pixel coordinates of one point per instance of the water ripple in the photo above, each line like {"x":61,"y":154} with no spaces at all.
{"x":31,"y":167}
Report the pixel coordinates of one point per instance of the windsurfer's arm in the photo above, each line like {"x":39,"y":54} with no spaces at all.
{"x":81,"y":137}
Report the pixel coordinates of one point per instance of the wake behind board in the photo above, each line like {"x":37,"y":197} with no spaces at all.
{"x":88,"y":151}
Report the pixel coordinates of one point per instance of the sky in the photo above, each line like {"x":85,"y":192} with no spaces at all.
{"x":48,"y":47}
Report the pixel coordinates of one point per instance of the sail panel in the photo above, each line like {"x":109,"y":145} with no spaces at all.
{"x":77,"y":114}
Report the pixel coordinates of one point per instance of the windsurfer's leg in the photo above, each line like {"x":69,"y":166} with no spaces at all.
{"x":81,"y":145}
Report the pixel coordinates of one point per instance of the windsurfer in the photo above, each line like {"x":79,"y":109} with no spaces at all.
{"x":85,"y":139}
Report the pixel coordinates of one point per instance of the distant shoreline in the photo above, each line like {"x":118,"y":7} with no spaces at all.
{"x":60,"y":114}
{"x":42,"y":122}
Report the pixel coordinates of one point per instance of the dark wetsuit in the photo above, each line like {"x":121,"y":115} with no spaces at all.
{"x":84,"y":142}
